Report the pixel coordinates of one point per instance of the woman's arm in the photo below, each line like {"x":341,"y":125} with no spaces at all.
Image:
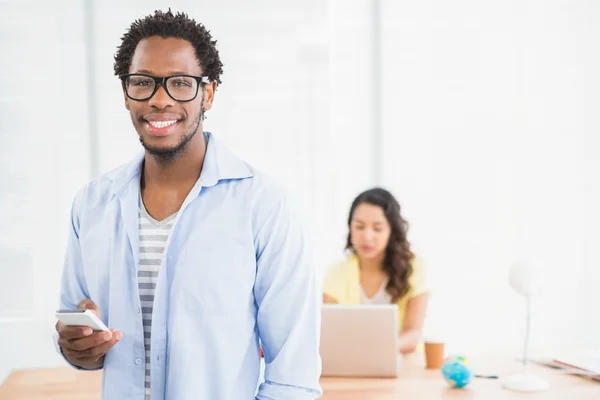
{"x":327,"y":299}
{"x":414,"y":318}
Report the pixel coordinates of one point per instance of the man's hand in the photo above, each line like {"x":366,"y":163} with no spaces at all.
{"x":83,"y":347}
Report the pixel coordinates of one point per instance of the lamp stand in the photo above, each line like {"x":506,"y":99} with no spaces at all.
{"x":526,"y":382}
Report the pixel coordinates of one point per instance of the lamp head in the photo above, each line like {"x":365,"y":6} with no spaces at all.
{"x":525,"y":277}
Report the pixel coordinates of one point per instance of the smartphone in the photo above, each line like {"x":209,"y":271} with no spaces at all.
{"x":81,"y":318}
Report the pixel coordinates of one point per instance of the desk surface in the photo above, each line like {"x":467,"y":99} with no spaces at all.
{"x":414,"y":382}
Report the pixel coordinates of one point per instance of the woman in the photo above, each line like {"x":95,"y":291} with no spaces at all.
{"x":381,"y":269}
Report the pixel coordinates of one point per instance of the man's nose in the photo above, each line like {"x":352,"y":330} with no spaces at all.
{"x":161,"y":98}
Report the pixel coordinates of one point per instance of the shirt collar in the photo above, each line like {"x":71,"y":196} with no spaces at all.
{"x":219,"y":164}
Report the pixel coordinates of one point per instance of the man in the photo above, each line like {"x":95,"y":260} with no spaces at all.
{"x":192,"y":257}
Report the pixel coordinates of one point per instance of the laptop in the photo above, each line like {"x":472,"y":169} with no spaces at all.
{"x":360,"y":340}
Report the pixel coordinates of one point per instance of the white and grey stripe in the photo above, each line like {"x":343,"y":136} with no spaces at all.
{"x":153,"y":237}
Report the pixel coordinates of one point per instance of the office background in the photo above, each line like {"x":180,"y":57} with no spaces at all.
{"x":481,"y":117}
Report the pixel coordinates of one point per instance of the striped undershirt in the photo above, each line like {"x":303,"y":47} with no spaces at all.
{"x":153,"y":238}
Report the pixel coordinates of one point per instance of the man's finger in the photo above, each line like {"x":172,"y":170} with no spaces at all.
{"x":93,"y":340}
{"x":95,"y":352}
{"x":72,"y":331}
{"x":87,"y":304}
{"x":104,"y":347}
{"x":92,"y":359}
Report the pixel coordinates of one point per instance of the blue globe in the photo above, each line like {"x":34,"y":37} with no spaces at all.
{"x":456,"y":371}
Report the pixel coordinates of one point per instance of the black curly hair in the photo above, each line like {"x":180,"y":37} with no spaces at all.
{"x":398,"y":254}
{"x":169,"y":25}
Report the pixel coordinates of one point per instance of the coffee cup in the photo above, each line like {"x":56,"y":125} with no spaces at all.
{"x":434,"y":353}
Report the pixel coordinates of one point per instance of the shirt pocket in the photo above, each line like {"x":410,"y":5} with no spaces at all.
{"x":216,"y":279}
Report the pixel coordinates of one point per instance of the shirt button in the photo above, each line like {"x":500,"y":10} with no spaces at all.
{"x":138,"y":310}
{"x":138,"y":361}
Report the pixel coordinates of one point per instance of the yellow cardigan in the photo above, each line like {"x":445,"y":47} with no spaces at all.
{"x":342,"y":282}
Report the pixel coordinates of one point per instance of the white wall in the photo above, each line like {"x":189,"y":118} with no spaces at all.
{"x":489,"y":142}
{"x":44,"y":159}
{"x":286,"y":106}
{"x":490,"y":138}
{"x":291,"y":102}
{"x":349,"y":153}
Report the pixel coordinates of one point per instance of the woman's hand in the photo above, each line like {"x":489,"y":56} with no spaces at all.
{"x":327,"y":299}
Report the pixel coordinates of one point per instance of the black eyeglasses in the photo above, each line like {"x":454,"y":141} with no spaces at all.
{"x":182,"y":88}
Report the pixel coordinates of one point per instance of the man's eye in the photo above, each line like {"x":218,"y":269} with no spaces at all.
{"x":181,"y":83}
{"x":141,"y":83}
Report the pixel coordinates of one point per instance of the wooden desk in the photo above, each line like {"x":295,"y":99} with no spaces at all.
{"x":414,"y":383}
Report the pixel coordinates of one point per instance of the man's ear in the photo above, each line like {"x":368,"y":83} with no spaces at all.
{"x":125,"y":96}
{"x":209,"y":95}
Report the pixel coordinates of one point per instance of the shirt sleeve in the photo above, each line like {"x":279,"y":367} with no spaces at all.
{"x":332,"y":282}
{"x":418,"y":279}
{"x":288,"y":294}
{"x":73,"y":288}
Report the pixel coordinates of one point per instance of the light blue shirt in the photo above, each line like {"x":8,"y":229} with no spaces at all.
{"x":237,"y":268}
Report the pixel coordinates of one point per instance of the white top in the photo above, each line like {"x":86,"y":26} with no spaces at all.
{"x":381,"y":297}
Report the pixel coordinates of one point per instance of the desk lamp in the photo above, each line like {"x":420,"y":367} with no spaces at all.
{"x":524,"y":278}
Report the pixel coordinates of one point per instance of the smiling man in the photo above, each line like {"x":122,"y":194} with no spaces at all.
{"x":190,"y":255}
